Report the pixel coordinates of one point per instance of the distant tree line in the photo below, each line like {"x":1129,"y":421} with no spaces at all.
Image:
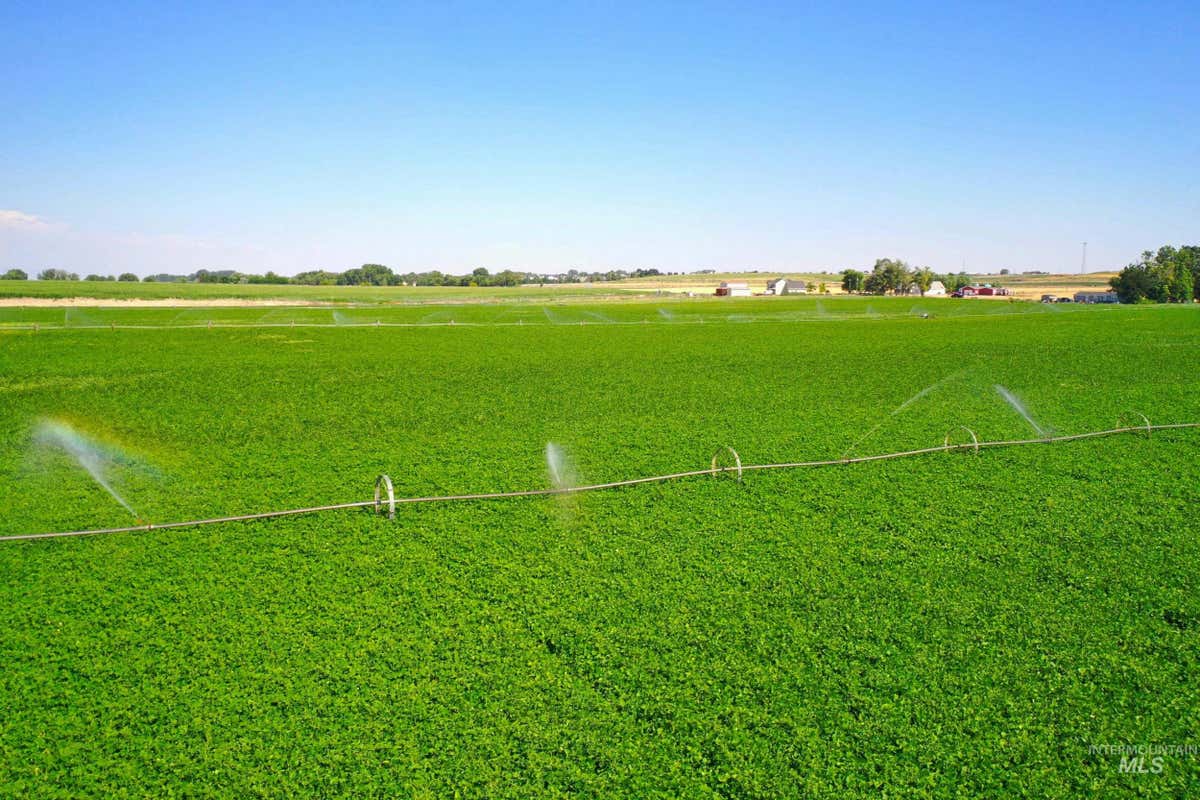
{"x":1170,"y":275}
{"x":893,"y":276}
{"x":366,"y":275}
{"x":57,"y":275}
{"x":379,"y":275}
{"x":63,"y":275}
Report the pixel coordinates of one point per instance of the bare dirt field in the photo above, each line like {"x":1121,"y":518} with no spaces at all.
{"x":1023,"y":287}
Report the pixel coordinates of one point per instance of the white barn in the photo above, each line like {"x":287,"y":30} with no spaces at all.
{"x":785,"y":286}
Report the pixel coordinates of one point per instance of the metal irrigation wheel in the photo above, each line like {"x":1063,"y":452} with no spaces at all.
{"x":974,"y":439}
{"x":737,"y":462}
{"x":381,"y":482}
{"x":1126,"y":417}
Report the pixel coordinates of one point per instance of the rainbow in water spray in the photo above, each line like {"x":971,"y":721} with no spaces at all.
{"x":93,"y":457}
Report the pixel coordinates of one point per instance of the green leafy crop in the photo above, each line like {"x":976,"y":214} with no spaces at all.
{"x":938,"y":626}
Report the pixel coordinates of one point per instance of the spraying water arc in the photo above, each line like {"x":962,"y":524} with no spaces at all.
{"x":88,"y":454}
{"x":557,"y":467}
{"x":1019,"y":407}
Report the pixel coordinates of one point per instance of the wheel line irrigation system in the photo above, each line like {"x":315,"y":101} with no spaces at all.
{"x":378,"y":322}
{"x":385,"y":499}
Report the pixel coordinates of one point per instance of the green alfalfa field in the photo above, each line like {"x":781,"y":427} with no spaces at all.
{"x":944,"y":625}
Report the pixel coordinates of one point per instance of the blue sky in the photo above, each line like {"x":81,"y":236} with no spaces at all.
{"x":160,"y":137}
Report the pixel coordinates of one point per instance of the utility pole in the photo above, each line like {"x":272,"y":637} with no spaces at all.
{"x":1083,"y":266}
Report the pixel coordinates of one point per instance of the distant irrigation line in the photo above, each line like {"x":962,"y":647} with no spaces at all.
{"x":391,"y":502}
{"x":38,"y":328}
{"x":677,"y":320}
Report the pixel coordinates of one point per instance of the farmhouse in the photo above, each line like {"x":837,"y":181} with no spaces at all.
{"x":1096,"y":297}
{"x":733,"y":289}
{"x":936,"y":289}
{"x":785,"y":286}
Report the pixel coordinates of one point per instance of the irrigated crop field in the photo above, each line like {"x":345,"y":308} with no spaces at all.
{"x":948,"y":624}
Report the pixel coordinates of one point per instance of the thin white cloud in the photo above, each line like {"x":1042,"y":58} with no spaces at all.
{"x":11,"y":218}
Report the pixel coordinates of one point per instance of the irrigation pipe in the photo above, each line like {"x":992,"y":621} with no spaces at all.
{"x":390,"y":502}
{"x":48,"y":327}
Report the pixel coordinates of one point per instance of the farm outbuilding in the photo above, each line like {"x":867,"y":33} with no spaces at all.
{"x":785,"y":286}
{"x":936,"y":289}
{"x":733,"y":289}
{"x":983,"y":290}
{"x":1096,"y":297}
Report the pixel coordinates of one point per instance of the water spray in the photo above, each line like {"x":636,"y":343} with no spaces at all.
{"x":1019,"y":407}
{"x":383,"y":484}
{"x":931,"y":387}
{"x":558,"y":467}
{"x":90,"y":455}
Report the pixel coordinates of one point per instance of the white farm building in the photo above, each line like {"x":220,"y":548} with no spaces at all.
{"x":785,"y":286}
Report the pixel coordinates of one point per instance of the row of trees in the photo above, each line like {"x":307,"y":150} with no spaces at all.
{"x":379,"y":275}
{"x":1170,"y":275}
{"x":366,"y":275}
{"x":893,"y":276}
{"x":63,"y":275}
